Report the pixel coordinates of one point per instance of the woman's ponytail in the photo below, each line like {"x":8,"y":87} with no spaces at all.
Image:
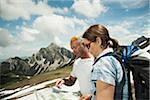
{"x":114,"y":43}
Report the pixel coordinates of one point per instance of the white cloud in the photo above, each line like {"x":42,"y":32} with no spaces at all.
{"x":44,"y":30}
{"x":14,"y":9}
{"x":41,"y":9}
{"x":146,"y":32}
{"x":20,"y":50}
{"x":139,"y":25}
{"x":129,"y":4}
{"x":60,"y":10}
{"x":5,"y":38}
{"x":20,"y":45}
{"x":17,"y":27}
{"x":129,"y":29}
{"x":28,"y":34}
{"x":56,"y":25}
{"x":24,"y":23}
{"x":126,"y":24}
{"x":57,"y":40}
{"x":53,"y":24}
{"x":132,"y":4}
{"x":122,"y":34}
{"x":1,"y":54}
{"x":89,"y":9}
{"x":117,"y":29}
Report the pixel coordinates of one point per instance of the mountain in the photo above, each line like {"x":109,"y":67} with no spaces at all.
{"x":46,"y":59}
{"x":49,"y":58}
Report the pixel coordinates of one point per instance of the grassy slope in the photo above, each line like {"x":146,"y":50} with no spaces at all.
{"x":59,"y":73}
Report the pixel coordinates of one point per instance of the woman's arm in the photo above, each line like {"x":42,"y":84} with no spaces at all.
{"x":104,"y":91}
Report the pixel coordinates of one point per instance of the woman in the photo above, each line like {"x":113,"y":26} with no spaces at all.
{"x":107,"y":72}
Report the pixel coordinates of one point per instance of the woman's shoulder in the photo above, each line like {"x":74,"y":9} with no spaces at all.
{"x":108,"y":62}
{"x":109,"y":59}
{"x":106,"y":59}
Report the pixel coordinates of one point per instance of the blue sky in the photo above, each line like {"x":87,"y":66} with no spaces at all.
{"x":28,"y":25}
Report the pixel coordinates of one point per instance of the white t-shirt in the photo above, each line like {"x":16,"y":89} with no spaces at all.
{"x":82,"y":71}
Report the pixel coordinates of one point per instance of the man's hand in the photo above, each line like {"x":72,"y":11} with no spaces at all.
{"x":67,"y":81}
{"x":85,"y":97}
{"x":59,"y":82}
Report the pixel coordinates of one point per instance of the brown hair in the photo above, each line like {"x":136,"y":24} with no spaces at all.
{"x":97,"y":30}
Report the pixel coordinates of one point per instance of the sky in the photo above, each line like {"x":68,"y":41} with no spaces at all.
{"x":28,"y":25}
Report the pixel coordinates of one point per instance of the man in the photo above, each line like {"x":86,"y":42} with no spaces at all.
{"x":81,"y":68}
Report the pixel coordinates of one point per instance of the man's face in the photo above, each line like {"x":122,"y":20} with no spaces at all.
{"x":75,"y":46}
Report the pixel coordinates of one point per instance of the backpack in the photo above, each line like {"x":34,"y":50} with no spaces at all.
{"x":138,"y":65}
{"x":132,"y":62}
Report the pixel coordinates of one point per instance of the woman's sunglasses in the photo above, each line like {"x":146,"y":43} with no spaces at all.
{"x":87,"y":45}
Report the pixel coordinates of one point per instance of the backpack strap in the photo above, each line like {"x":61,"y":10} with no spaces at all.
{"x":119,"y":86}
{"x":107,"y":54}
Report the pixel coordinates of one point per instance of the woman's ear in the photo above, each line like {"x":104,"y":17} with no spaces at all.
{"x":98,"y":41}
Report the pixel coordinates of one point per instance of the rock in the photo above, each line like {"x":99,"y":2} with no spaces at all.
{"x":46,"y":59}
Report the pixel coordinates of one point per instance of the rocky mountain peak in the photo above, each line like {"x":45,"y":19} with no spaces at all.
{"x":46,"y":59}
